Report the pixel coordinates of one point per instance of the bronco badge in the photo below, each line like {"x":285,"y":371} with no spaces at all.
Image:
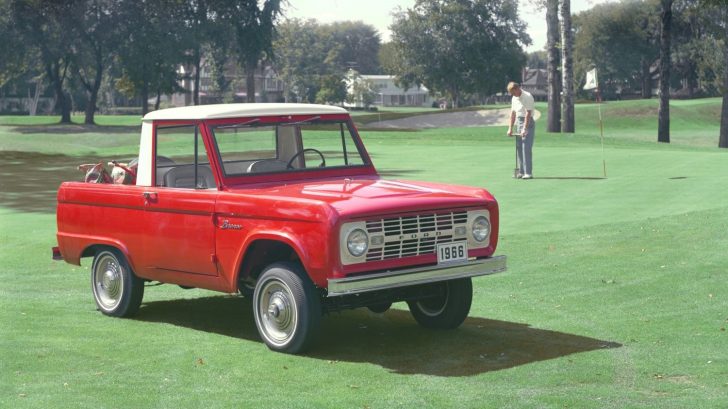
{"x":226,"y":225}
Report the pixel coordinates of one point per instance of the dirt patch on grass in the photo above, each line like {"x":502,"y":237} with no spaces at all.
{"x":75,"y":129}
{"x":29,"y":181}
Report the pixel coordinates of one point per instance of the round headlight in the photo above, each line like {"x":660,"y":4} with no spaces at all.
{"x":481,"y":228}
{"x":357,"y":242}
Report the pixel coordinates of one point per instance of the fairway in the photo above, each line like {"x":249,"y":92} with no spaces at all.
{"x":616,"y":294}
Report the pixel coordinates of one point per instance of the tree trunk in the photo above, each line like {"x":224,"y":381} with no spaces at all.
{"x":567,"y":62}
{"x":250,"y":81}
{"x":723,"y":139}
{"x":159,"y":99}
{"x":196,"y":92}
{"x":93,"y":93}
{"x":145,"y":98}
{"x":53,"y":70}
{"x":552,"y":66}
{"x":65,"y":105}
{"x":33,"y":109}
{"x":218,"y":72}
{"x":646,"y":79}
{"x":91,"y":108}
{"x":663,"y":115}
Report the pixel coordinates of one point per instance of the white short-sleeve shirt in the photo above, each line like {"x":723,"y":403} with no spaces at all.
{"x":522,"y":104}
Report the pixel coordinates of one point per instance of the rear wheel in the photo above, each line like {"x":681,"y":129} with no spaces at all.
{"x":287,"y":308}
{"x":117,"y":290}
{"x":446,"y":311}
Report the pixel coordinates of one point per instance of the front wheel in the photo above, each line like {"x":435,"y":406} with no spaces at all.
{"x":286,"y":307}
{"x":117,"y":290}
{"x":448,"y":310}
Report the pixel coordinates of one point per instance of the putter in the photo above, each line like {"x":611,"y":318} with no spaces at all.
{"x":516,"y":170}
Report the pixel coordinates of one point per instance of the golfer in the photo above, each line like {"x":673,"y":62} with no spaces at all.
{"x":522,"y":111}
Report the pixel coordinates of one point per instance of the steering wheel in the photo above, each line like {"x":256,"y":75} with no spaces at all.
{"x":289,"y":165}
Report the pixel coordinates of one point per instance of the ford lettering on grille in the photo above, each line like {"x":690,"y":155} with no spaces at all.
{"x":407,"y":236}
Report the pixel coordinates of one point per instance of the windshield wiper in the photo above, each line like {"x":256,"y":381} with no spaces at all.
{"x":239,"y":125}
{"x":313,"y":118}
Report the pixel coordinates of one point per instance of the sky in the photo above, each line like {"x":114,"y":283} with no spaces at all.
{"x":378,"y":13}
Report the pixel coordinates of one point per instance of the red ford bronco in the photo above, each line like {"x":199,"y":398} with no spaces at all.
{"x":280,"y":202}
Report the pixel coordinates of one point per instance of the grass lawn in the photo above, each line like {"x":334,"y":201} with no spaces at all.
{"x":616,"y":294}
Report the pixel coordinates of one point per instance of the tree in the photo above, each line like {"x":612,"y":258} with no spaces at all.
{"x":357,"y":46}
{"x":723,"y":138}
{"x":554,"y":80}
{"x":254,"y":28}
{"x":303,"y":55}
{"x":97,"y":28}
{"x":219,"y":48}
{"x":46,"y":28}
{"x":387,"y":57}
{"x":309,"y":54}
{"x":537,"y":59}
{"x":720,"y":11}
{"x":567,"y":67}
{"x":663,"y":114}
{"x":17,"y":58}
{"x":459,"y":46}
{"x":196,"y":17}
{"x":152,"y":50}
{"x":620,"y":40}
{"x":332,"y":90}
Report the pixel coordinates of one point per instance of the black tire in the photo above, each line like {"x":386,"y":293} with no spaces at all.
{"x":286,"y":307}
{"x":118,"y":292}
{"x":380,"y":308}
{"x":246,"y":288}
{"x":447,"y":311}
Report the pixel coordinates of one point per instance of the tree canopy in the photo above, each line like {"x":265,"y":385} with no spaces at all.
{"x":459,"y":46}
{"x":620,"y":40}
{"x":310,"y":55}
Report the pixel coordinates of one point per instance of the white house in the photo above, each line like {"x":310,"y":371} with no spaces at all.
{"x":387,"y":93}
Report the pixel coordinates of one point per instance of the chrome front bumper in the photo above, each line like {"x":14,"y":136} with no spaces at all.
{"x":415,"y":276}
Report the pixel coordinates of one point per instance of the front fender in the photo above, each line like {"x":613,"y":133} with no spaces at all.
{"x":313,"y":260}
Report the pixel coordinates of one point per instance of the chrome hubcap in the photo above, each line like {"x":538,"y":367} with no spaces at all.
{"x":108,"y":282}
{"x":278,"y":314}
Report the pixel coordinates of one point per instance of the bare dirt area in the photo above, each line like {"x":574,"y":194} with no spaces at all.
{"x":461,"y":119}
{"x":29,"y":181}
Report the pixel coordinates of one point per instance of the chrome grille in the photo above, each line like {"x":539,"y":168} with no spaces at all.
{"x":413,"y":235}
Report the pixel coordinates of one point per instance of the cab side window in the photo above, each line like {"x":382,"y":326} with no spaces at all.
{"x":181,"y":159}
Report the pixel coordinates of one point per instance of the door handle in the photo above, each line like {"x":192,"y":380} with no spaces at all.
{"x":149,"y":197}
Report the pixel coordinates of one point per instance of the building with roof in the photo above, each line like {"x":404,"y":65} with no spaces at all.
{"x":387,"y":93}
{"x":535,"y":81}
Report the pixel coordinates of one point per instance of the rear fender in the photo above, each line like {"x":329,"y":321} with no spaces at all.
{"x":78,"y":246}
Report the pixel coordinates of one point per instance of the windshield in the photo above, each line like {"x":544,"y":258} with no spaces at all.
{"x":252,"y":148}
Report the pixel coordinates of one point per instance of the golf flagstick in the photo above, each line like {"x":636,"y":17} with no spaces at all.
{"x":592,"y":82}
{"x":601,"y":131}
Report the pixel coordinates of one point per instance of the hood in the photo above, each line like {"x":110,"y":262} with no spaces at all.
{"x":365,"y":196}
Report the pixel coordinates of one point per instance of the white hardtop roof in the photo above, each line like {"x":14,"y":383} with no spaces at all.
{"x":218,"y":111}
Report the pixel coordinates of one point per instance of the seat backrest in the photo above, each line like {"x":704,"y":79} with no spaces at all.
{"x":267,"y":165}
{"x":184,"y":176}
